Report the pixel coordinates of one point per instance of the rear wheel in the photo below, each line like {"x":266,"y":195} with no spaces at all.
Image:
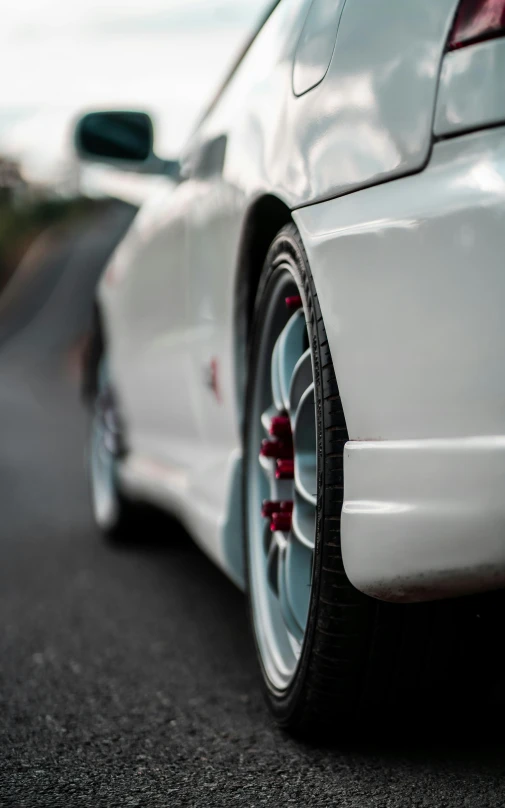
{"x":112,"y":512}
{"x":328,"y":654}
{"x":312,"y":628}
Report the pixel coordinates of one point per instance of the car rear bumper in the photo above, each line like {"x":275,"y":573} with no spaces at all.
{"x":411,"y":281}
{"x":424,"y":519}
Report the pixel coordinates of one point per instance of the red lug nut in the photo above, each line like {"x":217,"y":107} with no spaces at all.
{"x":270,"y":507}
{"x":294,"y":302}
{"x":281,"y":521}
{"x":285,"y":469}
{"x":280,"y":426}
{"x":276,"y":449}
{"x":286,"y":505}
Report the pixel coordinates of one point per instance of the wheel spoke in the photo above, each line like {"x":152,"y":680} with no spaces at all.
{"x":273,"y":563}
{"x":304,"y":439}
{"x":291,"y":347}
{"x":300,"y":380}
{"x":304,"y":522}
{"x":298,"y":575}
{"x":266,"y":418}
{"x":276,"y":378}
{"x":303,"y":492}
{"x":285,"y":590}
{"x":278,"y":489}
{"x":268,"y":538}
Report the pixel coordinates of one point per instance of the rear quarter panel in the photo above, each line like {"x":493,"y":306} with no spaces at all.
{"x":370,"y":119}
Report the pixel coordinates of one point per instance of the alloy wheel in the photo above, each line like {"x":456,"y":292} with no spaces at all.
{"x":104,"y":450}
{"x":282,"y":474}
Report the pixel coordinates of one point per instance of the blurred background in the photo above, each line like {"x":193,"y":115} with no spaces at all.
{"x":59,"y":58}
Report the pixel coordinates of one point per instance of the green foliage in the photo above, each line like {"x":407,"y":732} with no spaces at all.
{"x":21,"y":222}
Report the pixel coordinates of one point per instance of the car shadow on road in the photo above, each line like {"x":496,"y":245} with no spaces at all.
{"x":464,"y":739}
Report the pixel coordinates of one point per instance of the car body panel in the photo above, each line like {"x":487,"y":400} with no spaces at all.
{"x":143,"y":290}
{"x":411,"y":286}
{"x":406,"y":274}
{"x":369,"y":120}
{"x":424,"y":519}
{"x":316,"y":44}
{"x":396,"y":252}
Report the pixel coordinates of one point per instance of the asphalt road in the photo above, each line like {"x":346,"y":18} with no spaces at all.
{"x":127,"y":676}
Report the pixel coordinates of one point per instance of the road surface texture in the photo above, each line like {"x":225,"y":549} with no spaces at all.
{"x":127,"y":676}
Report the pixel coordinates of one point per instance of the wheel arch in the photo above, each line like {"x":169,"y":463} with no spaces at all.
{"x":265,"y":217}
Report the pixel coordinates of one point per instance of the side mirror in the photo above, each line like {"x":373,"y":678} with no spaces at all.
{"x":123,"y":139}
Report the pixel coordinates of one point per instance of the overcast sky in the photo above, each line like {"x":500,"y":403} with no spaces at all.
{"x":59,"y":56}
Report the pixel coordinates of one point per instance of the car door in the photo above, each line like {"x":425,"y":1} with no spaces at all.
{"x":151,"y":333}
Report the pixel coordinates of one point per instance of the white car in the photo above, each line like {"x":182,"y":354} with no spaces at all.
{"x":300,"y":349}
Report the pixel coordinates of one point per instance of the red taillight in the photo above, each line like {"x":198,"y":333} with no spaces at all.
{"x":477,"y":20}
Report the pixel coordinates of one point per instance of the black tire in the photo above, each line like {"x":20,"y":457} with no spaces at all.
{"x":359,"y":657}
